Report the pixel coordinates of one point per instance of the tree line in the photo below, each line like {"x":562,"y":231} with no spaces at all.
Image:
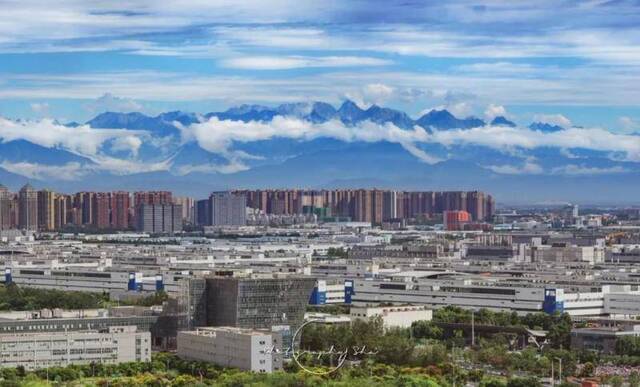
{"x":19,"y":298}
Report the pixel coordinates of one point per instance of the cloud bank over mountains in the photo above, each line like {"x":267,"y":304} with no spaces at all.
{"x":249,"y":138}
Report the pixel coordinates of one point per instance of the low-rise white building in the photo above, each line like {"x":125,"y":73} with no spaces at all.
{"x":393,"y":316}
{"x":60,"y":349}
{"x":246,"y":349}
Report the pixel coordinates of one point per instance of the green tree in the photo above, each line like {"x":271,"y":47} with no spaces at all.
{"x":524,"y":382}
{"x":492,"y":381}
{"x":426,"y":330}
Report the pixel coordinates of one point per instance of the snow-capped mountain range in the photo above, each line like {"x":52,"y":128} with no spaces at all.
{"x":316,"y":145}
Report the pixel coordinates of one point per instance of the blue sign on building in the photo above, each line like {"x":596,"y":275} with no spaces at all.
{"x":159,"y":283}
{"x":132,"y":285}
{"x":553,"y":301}
{"x":349,"y":291}
{"x":319,"y":294}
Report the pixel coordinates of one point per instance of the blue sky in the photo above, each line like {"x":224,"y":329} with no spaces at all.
{"x":531,"y":60}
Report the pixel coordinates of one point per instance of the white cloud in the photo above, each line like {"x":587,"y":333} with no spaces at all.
{"x":294,"y":62}
{"x":568,"y":154}
{"x":218,"y":136}
{"x":501,"y":138}
{"x":492,"y":111}
{"x":573,"y":169}
{"x":411,"y":39}
{"x":628,"y":124}
{"x":584,"y":88}
{"x":553,"y":119}
{"x":378,"y":92}
{"x":111,"y":103}
{"x":40,"y":108}
{"x":76,"y":171}
{"x":307,"y":38}
{"x":528,"y":168}
{"x":372,"y":93}
{"x":458,"y":109}
{"x":129,"y":144}
{"x":68,"y":172}
{"x":502,"y":68}
{"x":82,"y":140}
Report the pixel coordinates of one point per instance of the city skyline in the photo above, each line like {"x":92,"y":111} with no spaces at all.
{"x":161,"y":212}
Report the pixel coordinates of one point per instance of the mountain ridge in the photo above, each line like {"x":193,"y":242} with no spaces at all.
{"x":158,"y":154}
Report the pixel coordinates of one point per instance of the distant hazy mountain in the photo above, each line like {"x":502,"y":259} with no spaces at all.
{"x":544,"y":127}
{"x":158,"y":154}
{"x":502,"y":121}
{"x":161,"y":125}
{"x":442,"y":119}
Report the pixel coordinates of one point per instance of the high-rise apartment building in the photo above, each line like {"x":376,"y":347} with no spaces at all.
{"x":377,"y":206}
{"x":74,"y":209}
{"x":363,"y":206}
{"x":120,"y":210}
{"x":28,"y":208}
{"x":229,"y":209}
{"x":152,"y":197}
{"x":372,"y":205}
{"x":102,"y":210}
{"x":389,"y":205}
{"x":203,"y":212}
{"x":60,"y":211}
{"x":86,"y":203}
{"x":46,"y":210}
{"x":476,"y":205}
{"x":159,"y":218}
{"x":188,"y":210}
{"x":5,"y":208}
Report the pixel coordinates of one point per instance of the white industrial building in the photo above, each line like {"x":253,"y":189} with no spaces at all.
{"x":622,"y":304}
{"x":59,"y":349}
{"x":497,"y":295}
{"x":245,"y":349}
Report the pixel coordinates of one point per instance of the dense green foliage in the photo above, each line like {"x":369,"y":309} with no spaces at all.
{"x":628,"y":346}
{"x":14,"y":297}
{"x":558,"y":327}
{"x":329,"y":308}
{"x":392,"y":346}
{"x":423,"y":346}
{"x":337,"y":252}
{"x":168,"y":370}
